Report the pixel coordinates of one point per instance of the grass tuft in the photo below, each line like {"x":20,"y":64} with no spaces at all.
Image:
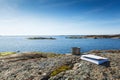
{"x":6,"y":53}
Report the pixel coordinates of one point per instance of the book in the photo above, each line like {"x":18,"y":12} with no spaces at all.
{"x":94,"y":59}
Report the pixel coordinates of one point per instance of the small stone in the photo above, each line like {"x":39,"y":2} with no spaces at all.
{"x":76,"y":66}
{"x":44,"y":74}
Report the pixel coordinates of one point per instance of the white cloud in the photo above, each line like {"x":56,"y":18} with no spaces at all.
{"x":47,"y":26}
{"x":13,"y":23}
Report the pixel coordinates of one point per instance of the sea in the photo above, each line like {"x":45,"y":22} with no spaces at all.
{"x":61,"y":45}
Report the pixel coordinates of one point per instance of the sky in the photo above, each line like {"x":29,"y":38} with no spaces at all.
{"x":59,"y":17}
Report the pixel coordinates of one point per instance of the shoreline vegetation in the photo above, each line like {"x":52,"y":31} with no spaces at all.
{"x":94,"y":37}
{"x":41,"y":38}
{"x":51,"y":66}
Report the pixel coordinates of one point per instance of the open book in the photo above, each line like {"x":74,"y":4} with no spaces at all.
{"x":94,"y":59}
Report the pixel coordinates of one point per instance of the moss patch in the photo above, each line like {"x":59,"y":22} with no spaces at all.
{"x":60,"y":69}
{"x":6,"y":53}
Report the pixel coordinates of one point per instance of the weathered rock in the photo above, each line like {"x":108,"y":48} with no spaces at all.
{"x":84,"y":70}
{"x":40,"y":68}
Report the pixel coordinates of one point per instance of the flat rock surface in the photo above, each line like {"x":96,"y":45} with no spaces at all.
{"x":84,"y":70}
{"x":40,"y":68}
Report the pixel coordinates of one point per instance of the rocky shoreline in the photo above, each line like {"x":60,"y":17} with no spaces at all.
{"x":35,"y":66}
{"x":41,"y":38}
{"x":94,"y":37}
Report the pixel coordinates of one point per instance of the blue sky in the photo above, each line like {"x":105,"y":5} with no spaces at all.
{"x":59,"y":17}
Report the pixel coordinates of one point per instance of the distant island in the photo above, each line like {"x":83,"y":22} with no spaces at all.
{"x":41,"y":38}
{"x":94,"y":37}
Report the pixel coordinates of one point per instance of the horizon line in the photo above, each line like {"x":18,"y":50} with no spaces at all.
{"x":59,"y":35}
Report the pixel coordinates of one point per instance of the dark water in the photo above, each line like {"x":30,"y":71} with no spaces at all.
{"x":60,"y":45}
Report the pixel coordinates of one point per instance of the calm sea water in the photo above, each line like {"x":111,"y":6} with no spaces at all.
{"x":60,"y":45}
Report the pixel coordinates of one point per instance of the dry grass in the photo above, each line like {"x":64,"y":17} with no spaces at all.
{"x":6,"y":53}
{"x":27,"y":56}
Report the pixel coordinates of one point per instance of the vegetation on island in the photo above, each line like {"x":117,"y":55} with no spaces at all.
{"x":42,"y":38}
{"x":94,"y":37}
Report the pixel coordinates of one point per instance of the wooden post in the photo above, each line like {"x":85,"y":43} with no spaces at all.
{"x":75,"y":51}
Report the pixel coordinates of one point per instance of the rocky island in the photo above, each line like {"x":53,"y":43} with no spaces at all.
{"x":41,"y":38}
{"x":94,"y":37}
{"x":50,"y":66}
